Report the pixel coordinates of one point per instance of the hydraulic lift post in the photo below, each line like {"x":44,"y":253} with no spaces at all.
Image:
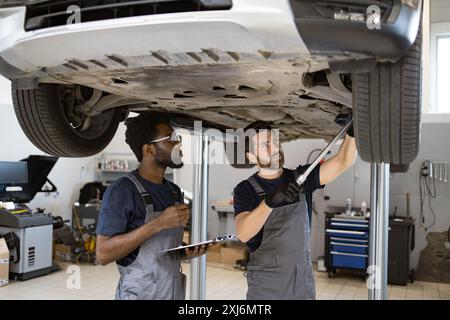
{"x":199,"y":223}
{"x":379,"y":231}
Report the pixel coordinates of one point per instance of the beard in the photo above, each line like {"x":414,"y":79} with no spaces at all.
{"x":172,"y":159}
{"x":275,"y":162}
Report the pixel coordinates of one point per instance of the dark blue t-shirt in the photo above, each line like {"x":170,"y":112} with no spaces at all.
{"x":246,"y":198}
{"x":123,"y":209}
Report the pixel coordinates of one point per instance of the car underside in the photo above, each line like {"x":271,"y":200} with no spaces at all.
{"x":223,"y":89}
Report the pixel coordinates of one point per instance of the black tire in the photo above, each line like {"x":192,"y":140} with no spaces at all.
{"x":41,"y":115}
{"x":387,"y":109}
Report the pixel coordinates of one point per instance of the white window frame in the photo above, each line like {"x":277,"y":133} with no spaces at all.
{"x":437,"y":31}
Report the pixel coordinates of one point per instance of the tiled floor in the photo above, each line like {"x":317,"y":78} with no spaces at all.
{"x":98,"y":283}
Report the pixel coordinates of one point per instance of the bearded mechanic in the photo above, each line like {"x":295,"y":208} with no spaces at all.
{"x":273,"y":215}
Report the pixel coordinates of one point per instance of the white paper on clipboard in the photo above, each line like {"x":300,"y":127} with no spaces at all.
{"x":215,"y":240}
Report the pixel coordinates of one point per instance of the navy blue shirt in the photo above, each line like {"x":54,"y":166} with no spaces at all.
{"x":246,"y":198}
{"x":123,"y":209}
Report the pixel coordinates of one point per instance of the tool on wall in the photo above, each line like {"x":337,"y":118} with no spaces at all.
{"x":427,"y":179}
{"x":436,"y":170}
{"x":408,"y":204}
{"x":444,"y":172}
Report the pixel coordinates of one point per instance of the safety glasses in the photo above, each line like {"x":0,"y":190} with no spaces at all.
{"x":174,"y":137}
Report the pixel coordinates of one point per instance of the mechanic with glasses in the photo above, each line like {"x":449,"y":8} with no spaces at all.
{"x":143,"y":214}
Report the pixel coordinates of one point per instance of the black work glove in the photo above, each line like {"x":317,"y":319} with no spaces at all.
{"x":342,"y":120}
{"x":283,"y":195}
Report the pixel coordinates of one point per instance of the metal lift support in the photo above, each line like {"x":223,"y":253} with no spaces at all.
{"x":379,"y":228}
{"x":199,"y":213}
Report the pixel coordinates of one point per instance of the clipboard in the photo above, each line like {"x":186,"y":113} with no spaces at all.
{"x":215,"y":240}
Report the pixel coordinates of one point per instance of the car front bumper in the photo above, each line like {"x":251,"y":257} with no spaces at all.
{"x":327,"y":34}
{"x":265,"y":26}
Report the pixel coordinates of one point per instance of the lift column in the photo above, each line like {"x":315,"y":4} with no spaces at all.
{"x":199,"y":212}
{"x":379,"y":231}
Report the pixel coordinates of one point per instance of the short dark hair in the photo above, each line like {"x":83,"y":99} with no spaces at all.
{"x":142,"y":129}
{"x":255,"y":127}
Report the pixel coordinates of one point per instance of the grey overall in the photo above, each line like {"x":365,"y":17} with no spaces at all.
{"x":280,"y":268}
{"x":153,"y":275}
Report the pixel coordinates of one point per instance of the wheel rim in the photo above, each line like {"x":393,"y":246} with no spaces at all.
{"x":79,"y":123}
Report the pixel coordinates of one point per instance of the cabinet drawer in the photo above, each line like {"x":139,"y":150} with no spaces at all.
{"x":345,"y":225}
{"x":349,"y":248}
{"x":348,"y":260}
{"x":357,"y":234}
{"x":357,"y":222}
{"x":349,"y":240}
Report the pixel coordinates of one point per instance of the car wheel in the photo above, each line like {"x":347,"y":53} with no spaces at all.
{"x":387,"y":110}
{"x":50,"y":121}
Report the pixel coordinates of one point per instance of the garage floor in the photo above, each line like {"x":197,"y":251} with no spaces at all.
{"x":98,"y":283}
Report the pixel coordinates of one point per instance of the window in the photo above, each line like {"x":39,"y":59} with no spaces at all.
{"x":440,"y":68}
{"x":443,"y":75}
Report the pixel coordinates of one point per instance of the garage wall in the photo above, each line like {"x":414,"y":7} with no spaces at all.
{"x":5,"y":93}
{"x":439,"y":11}
{"x":432,"y":147}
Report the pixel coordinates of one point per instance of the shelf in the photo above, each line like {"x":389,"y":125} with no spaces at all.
{"x":120,"y":161}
